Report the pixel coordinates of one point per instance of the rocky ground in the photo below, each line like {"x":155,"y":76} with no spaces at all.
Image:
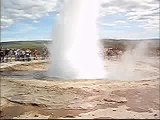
{"x":34,"y":98}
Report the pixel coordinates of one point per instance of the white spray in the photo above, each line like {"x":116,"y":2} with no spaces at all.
{"x":75,"y":49}
{"x":130,"y":66}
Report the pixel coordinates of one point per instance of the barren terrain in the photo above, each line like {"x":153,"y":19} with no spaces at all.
{"x":25,"y":96}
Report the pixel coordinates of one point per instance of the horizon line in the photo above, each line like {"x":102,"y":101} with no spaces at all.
{"x":25,"y":40}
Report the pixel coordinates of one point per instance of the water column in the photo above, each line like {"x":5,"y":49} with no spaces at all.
{"x":75,"y":48}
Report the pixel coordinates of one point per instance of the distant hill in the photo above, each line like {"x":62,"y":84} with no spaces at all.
{"x":24,"y":44}
{"x":117,"y":43}
{"x":124,"y":43}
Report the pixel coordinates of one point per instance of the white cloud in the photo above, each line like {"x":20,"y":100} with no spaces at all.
{"x":144,"y":12}
{"x":6,"y":22}
{"x":16,"y":10}
{"x":120,"y":22}
{"x":107,"y":24}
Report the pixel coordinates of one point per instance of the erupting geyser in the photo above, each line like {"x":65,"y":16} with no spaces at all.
{"x":75,"y":51}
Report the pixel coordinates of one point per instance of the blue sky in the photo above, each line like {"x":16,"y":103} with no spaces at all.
{"x":29,"y":30}
{"x":35,"y":20}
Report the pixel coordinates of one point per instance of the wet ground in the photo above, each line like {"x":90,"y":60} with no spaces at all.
{"x":138,"y":70}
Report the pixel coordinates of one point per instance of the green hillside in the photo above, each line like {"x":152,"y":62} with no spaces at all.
{"x":25,"y":44}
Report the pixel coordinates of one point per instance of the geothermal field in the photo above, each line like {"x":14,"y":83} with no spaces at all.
{"x":82,"y":76}
{"x":130,"y":89}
